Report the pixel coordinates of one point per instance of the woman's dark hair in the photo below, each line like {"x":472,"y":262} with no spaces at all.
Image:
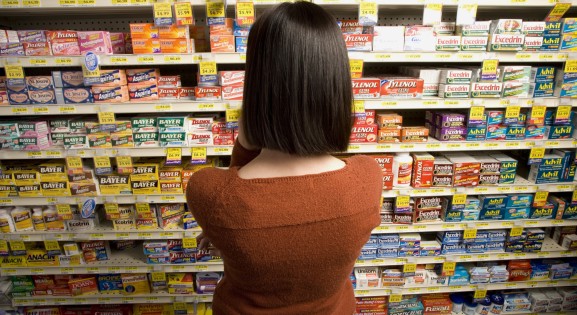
{"x":297,"y":90}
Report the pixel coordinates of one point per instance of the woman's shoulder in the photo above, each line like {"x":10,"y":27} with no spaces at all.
{"x":364,"y":163}
{"x":207,"y":181}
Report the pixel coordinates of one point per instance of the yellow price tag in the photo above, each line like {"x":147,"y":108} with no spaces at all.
{"x":158,"y":276}
{"x":215,"y":9}
{"x":403,"y":201}
{"x":198,"y":153}
{"x":145,"y":59}
{"x":395,"y":298}
{"x":563,"y":113}
{"x":183,"y":13}
{"x":35,"y":154}
{"x":516,"y":231}
{"x":571,"y":66}
{"x":67,"y":109}
{"x":245,"y":9}
{"x":490,"y":67}
{"x":14,"y":72}
{"x":434,"y":6}
{"x":356,"y":68}
{"x":106,"y":118}
{"x":189,"y":242}
{"x":232,"y":115}
{"x":19,"y":110}
{"x":359,"y":106}
{"x":112,"y":210}
{"x":64,"y":211}
{"x":368,"y":8}
{"x":173,"y":154}
{"x":513,"y":111}
{"x":557,"y":12}
{"x":477,"y":113}
{"x":17,"y":246}
{"x":143,"y":210}
{"x":180,"y":306}
{"x":470,"y":234}
{"x":124,"y":164}
{"x":459,"y":199}
{"x":74,"y":162}
{"x":480,"y":294}
{"x":409,"y":268}
{"x":102,"y":162}
{"x":449,"y":268}
{"x":162,"y":10}
{"x":10,"y":3}
{"x":51,"y":245}
{"x":538,"y":111}
{"x":537,"y":153}
{"x":207,"y":68}
{"x":540,"y":199}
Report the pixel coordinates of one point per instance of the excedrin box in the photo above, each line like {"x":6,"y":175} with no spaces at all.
{"x":455,"y":76}
{"x":486,"y":90}
{"x":506,"y":42}
{"x":478,"y":43}
{"x":454,"y":90}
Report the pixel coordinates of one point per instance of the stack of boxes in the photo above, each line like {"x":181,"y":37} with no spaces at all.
{"x":552,"y":36}
{"x":556,"y":167}
{"x":530,"y":241}
{"x":452,"y":242}
{"x":356,"y":36}
{"x":445,"y":36}
{"x":565,"y":80}
{"x":144,"y":179}
{"x":70,"y":89}
{"x":475,"y":37}
{"x":63,"y":43}
{"x":25,"y":135}
{"x":455,"y":83}
{"x":228,"y":37}
{"x":502,"y":207}
{"x":533,"y":32}
{"x":446,"y":126}
{"x":167,"y":252}
{"x":544,"y":300}
{"x":180,"y":283}
{"x":150,"y":39}
{"x":569,"y":35}
{"x":506,"y":35}
{"x":390,"y":126}
{"x":469,"y":211}
{"x":543,"y":81}
{"x":142,"y":84}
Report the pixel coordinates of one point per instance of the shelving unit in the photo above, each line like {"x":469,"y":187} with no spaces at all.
{"x":122,"y":12}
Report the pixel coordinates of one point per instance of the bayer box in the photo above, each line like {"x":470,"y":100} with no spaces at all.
{"x":172,"y":139}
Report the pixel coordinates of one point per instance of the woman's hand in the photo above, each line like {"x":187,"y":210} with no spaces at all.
{"x":203,"y":243}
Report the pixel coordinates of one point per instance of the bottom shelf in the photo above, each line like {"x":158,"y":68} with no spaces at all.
{"x":163,"y":297}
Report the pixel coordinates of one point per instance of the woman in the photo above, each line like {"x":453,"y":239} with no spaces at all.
{"x":288,"y":218}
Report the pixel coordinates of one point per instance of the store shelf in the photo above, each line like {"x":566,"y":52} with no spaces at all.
{"x":123,"y":108}
{"x":106,"y":233}
{"x":238,"y":58}
{"x":445,"y":104}
{"x":432,"y":145}
{"x":164,"y":106}
{"x":59,"y":153}
{"x":108,"y":6}
{"x":465,"y":225}
{"x":112,"y":298}
{"x":467,"y":288}
{"x":435,"y":145}
{"x":521,"y":185}
{"x":550,"y":250}
{"x":126,"y":261}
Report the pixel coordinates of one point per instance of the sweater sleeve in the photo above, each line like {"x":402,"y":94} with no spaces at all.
{"x":241,"y":156}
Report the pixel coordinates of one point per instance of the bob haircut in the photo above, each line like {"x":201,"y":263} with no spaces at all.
{"x":297,"y":90}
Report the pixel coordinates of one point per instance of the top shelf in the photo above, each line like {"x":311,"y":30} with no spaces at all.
{"x":238,"y":58}
{"x":97,"y":6}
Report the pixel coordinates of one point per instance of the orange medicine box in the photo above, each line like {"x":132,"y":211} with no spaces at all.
{"x":145,"y":46}
{"x":175,"y":46}
{"x":173,"y":32}
{"x":222,"y":43}
{"x":143,"y":31}
{"x":389,"y":120}
{"x":224,"y":29}
{"x":37,"y":49}
{"x":414,"y":134}
{"x":389,"y":135}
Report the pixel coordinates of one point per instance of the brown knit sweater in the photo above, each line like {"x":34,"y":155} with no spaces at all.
{"x":289,"y":244}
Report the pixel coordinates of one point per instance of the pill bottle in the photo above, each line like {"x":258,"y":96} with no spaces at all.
{"x":22,"y":219}
{"x":53,"y":223}
{"x":6,"y":222}
{"x":402,"y":169}
{"x":469,"y":308}
{"x":458,"y":301}
{"x":496,"y":304}
{"x":38,"y":219}
{"x":483,"y":306}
